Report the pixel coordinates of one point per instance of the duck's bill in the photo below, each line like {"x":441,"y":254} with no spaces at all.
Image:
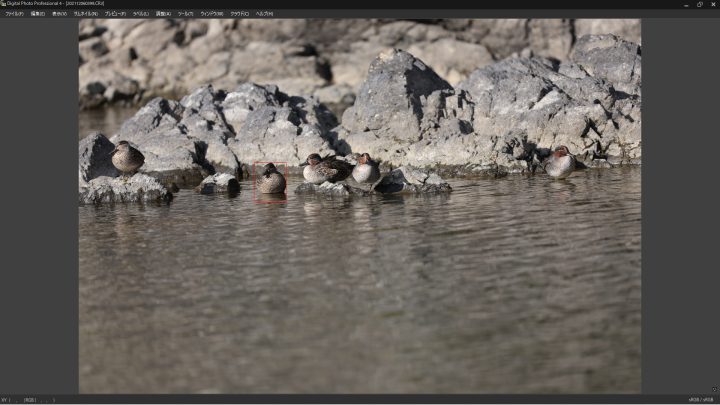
{"x":303,"y":164}
{"x":113,"y":151}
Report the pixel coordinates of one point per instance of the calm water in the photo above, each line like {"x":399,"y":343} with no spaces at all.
{"x":107,"y":120}
{"x":515,"y":285}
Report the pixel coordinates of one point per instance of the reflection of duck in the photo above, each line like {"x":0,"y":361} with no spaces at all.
{"x":561,"y":163}
{"x":271,"y":181}
{"x":319,"y":170}
{"x":367,"y":170}
{"x":126,"y":158}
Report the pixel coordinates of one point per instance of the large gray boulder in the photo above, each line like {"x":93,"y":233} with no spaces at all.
{"x":98,"y":180}
{"x":610,"y":58}
{"x":504,"y":117}
{"x":94,"y":159}
{"x":213,"y":131}
{"x":392,"y":98}
{"x":273,"y":127}
{"x":171,"y":154}
{"x":138,"y":188}
{"x":537,"y":103}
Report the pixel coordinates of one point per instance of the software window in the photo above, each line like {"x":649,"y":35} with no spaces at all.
{"x":473,"y":203}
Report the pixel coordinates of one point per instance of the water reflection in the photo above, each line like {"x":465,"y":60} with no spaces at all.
{"x":514,"y":285}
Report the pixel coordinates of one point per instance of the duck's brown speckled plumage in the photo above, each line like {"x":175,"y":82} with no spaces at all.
{"x":126,"y":158}
{"x":270,"y":181}
{"x":320,"y":170}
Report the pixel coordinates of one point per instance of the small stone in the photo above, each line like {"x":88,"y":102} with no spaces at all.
{"x":138,"y":188}
{"x":219,"y":183}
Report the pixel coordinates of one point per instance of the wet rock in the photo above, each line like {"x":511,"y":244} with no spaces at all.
{"x":219,"y":183}
{"x":138,"y":188}
{"x":408,"y":179}
{"x":94,"y":158}
{"x":330,"y":189}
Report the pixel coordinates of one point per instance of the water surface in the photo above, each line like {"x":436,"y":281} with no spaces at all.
{"x":107,"y":120}
{"x":514,"y":285}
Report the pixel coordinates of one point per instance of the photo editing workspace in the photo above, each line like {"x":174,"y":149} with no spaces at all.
{"x":506,"y":202}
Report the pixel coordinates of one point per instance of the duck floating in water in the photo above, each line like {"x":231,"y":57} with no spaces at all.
{"x":561,"y":163}
{"x":367,"y":170}
{"x":126,"y":158}
{"x":271,"y":181}
{"x":319,"y":170}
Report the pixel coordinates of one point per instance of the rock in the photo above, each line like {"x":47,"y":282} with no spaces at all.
{"x":171,"y":155}
{"x":138,"y":188}
{"x":169,"y":57}
{"x":94,"y":158}
{"x":391,"y":98}
{"x":502,"y":37}
{"x":212,"y":131}
{"x":406,"y":114}
{"x":337,"y":98}
{"x":99,"y":84}
{"x":452,"y":59}
{"x":186,"y":140}
{"x":330,"y":189}
{"x":349,"y":67}
{"x":88,"y":30}
{"x":551,"y":38}
{"x":611,"y":58}
{"x":219,"y":183}
{"x":498,"y":119}
{"x":407,"y":179}
{"x":271,"y":126}
{"x":151,"y":37}
{"x":627,"y":29}
{"x":92,"y":48}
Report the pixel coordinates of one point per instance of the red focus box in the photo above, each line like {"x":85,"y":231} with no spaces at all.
{"x":260,"y":198}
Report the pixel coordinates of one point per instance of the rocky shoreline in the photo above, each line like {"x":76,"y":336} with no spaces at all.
{"x":503,"y":118}
{"x":133,"y":61}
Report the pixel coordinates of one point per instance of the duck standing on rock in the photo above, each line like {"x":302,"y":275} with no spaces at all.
{"x":319,"y":170}
{"x":367,"y":170}
{"x":561,"y":163}
{"x":271,"y":181}
{"x":126,"y":159}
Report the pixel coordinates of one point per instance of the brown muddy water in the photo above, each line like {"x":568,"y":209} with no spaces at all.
{"x":513,"y":285}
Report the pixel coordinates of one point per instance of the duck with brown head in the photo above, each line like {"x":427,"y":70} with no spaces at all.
{"x":319,"y":170}
{"x":126,"y":158}
{"x":561,"y":163}
{"x":367,"y":170}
